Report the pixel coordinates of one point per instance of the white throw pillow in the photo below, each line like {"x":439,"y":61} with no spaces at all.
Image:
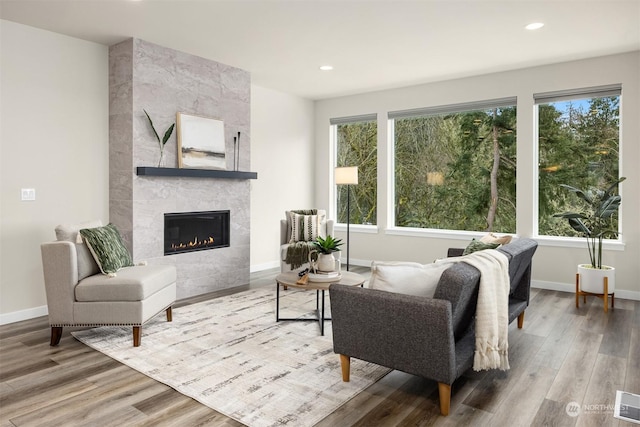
{"x":409,"y":278}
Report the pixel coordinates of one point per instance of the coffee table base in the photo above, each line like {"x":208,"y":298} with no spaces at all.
{"x":319,"y":312}
{"x":290,"y":280}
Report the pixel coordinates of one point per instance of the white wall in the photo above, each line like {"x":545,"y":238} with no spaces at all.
{"x":554,"y":266}
{"x":282,"y":152}
{"x":54,"y":118}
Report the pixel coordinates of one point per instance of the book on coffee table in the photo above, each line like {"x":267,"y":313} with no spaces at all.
{"x":325,"y":276}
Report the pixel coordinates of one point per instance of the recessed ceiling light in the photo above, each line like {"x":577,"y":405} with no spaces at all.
{"x":534,"y":26}
{"x":326,"y":67}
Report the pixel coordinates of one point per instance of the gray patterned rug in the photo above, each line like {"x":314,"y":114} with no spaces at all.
{"x":231,"y":355}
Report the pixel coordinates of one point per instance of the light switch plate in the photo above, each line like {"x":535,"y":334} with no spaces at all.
{"x":28,"y":194}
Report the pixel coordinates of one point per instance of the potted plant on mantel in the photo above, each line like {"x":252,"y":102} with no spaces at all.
{"x":325,"y":248}
{"x":165,"y":138}
{"x":595,"y":223}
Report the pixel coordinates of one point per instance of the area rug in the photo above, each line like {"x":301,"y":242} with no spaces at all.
{"x":230,"y":354}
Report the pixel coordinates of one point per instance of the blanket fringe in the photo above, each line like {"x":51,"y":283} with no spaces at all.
{"x":489,"y":356}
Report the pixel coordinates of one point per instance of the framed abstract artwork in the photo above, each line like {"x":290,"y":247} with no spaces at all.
{"x":200,"y":142}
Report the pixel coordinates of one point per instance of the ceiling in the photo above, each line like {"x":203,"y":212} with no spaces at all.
{"x":372,"y":45}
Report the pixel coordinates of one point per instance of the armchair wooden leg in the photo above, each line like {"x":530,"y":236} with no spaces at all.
{"x":169,"y":315}
{"x":520,"y":320}
{"x":56,"y":334}
{"x":137,"y":334}
{"x":345,"y":363}
{"x":445,"y":398}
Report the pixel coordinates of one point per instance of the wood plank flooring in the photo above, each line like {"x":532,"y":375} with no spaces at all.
{"x":562,"y":355}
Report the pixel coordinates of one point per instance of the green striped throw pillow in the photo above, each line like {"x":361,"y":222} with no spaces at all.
{"x":304,"y":228}
{"x":107,"y":248}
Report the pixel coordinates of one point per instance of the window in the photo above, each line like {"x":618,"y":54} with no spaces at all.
{"x":455,"y":166}
{"x":578,"y":145}
{"x":356,"y":145}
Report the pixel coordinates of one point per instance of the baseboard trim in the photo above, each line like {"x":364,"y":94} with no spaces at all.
{"x":18,"y":316}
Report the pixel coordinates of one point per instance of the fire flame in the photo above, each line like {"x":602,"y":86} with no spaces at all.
{"x":195,"y":243}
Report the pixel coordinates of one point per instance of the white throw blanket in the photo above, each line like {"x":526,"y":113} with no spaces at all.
{"x":492,"y":311}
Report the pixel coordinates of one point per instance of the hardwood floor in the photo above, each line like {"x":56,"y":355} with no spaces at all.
{"x":562,"y":355}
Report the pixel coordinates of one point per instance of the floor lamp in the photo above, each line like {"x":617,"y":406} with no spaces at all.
{"x":347,"y":176}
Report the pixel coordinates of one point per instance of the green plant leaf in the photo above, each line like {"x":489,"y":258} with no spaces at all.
{"x":328,"y":244}
{"x":582,"y":194}
{"x":152,"y":127}
{"x":579,"y":226}
{"x":569,"y":215}
{"x":609,"y":207}
{"x":167,"y":134}
{"x":614,"y":185}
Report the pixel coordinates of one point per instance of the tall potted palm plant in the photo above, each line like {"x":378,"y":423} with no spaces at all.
{"x":595,"y":223}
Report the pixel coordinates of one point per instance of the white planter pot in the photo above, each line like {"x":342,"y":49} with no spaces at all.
{"x":592,"y":279}
{"x":326,"y":262}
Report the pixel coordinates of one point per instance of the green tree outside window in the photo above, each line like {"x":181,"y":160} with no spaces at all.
{"x":357,"y":146}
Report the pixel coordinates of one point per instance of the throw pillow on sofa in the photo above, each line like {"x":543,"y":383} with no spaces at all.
{"x":492,"y":238}
{"x":107,"y":248}
{"x":477,"y":245}
{"x":409,"y":278}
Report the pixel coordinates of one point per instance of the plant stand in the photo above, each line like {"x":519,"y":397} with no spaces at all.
{"x":604,"y":296}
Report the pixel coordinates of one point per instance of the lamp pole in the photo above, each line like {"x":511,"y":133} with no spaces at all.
{"x":348,"y":221}
{"x":347,"y":176}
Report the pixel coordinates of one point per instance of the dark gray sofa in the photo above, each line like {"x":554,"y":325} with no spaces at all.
{"x":430,"y":337}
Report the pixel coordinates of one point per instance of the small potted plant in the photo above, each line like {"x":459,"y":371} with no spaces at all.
{"x":325,"y":248}
{"x":165,"y":138}
{"x":595,"y":223}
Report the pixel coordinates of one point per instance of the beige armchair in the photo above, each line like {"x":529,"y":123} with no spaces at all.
{"x":325,"y":229}
{"x":79,"y":295}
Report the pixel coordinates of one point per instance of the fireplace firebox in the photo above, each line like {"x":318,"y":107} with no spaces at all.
{"x":195,"y":231}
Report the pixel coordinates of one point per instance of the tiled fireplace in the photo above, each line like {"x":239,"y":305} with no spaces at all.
{"x":145,"y":76}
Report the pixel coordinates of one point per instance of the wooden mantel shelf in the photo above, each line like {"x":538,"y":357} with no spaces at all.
{"x":194,"y":173}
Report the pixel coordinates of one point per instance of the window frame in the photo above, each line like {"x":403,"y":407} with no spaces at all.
{"x":333,"y":202}
{"x":617,"y":244}
{"x":391,"y":227}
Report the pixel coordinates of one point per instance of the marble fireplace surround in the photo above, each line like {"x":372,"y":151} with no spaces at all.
{"x":164,"y":82}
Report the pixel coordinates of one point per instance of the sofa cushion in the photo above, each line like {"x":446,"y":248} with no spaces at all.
{"x":107,"y":248}
{"x":408,"y":278}
{"x":87,"y":266}
{"x":131,"y":284}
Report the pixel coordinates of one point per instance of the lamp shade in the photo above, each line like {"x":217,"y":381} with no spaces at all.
{"x":347,"y":175}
